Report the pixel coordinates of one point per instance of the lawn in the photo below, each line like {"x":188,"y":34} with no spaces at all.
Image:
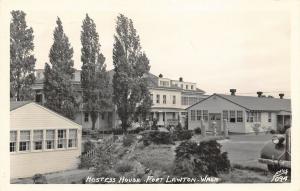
{"x":245,"y":149}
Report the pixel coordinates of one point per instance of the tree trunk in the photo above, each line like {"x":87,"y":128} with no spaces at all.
{"x":94,"y":116}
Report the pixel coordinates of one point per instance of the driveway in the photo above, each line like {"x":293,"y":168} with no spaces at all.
{"x":245,"y":149}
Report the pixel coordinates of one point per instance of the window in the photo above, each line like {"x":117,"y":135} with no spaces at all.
{"x":102,"y":116}
{"x":193,"y":115}
{"x":250,"y":117}
{"x":151,"y":97}
{"x":173,"y":115}
{"x":164,"y":116}
{"x":72,"y":138}
{"x":61,"y":141}
{"x":13,"y":141}
{"x":50,"y":137}
{"x":86,"y":117}
{"x":199,"y":115}
{"x":232,"y":116}
{"x":186,"y":87}
{"x":192,"y":87}
{"x":37,"y":139}
{"x":258,"y":116}
{"x":239,"y":117}
{"x":164,"y":99}
{"x":205,"y":115}
{"x":157,"y":98}
{"x":174,"y":99}
{"x":225,"y":115}
{"x":269,"y":117}
{"x":157,"y":116}
{"x":24,"y":141}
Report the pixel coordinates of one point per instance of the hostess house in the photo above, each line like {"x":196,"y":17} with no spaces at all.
{"x":242,"y":114}
{"x":41,"y":141}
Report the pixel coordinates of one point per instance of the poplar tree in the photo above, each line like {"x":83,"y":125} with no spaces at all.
{"x":131,"y":64}
{"x":96,"y":91}
{"x":58,"y":88}
{"x":22,"y":61}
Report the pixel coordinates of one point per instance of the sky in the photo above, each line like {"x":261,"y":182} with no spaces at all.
{"x":217,"y":44}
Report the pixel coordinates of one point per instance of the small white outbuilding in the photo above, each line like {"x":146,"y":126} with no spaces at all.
{"x":41,"y":141}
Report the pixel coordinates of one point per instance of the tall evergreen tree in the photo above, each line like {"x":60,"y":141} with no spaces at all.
{"x":58,"y":89}
{"x":22,"y":61}
{"x":94,"y":77}
{"x":131,"y":65}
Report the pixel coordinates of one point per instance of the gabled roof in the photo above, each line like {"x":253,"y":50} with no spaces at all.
{"x":256,"y":103}
{"x":16,"y":104}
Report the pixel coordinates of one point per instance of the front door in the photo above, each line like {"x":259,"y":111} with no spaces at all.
{"x":215,"y":118}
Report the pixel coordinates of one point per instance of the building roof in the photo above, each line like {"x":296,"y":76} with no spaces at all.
{"x":256,"y":103}
{"x":16,"y":104}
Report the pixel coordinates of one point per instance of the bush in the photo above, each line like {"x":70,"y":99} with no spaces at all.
{"x":124,"y":167}
{"x":178,"y":127}
{"x":197,"y":131}
{"x":272,"y":131}
{"x":87,"y":146}
{"x":39,"y":179}
{"x":128,"y":140}
{"x":182,"y":135}
{"x":157,"y":137}
{"x":206,"y":158}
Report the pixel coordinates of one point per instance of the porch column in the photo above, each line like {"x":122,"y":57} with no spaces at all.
{"x":203,"y":128}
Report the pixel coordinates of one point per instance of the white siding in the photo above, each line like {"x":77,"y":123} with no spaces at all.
{"x":33,"y":116}
{"x":215,"y":104}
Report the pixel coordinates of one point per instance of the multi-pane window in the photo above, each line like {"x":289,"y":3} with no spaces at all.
{"x":199,"y":115}
{"x":72,"y":138}
{"x":50,"y":138}
{"x":174,"y":99}
{"x":232,"y":116}
{"x":24,"y":144}
{"x":13,"y":141}
{"x":205,"y":115}
{"x":86,"y":117}
{"x":157,"y":98}
{"x":253,"y":116}
{"x":193,"y":116}
{"x":225,"y":115}
{"x":164,"y":99}
{"x":192,"y":87}
{"x":37,"y":139}
{"x":269,"y":117}
{"x":61,"y":138}
{"x":239,"y":116}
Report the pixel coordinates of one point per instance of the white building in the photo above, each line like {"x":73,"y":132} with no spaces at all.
{"x":243,"y":113}
{"x":170,"y":99}
{"x":41,"y":141}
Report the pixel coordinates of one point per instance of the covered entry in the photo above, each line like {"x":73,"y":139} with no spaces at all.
{"x":215,"y":118}
{"x":283,"y":122}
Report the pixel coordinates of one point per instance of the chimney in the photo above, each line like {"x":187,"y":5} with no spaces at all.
{"x":160,"y":75}
{"x":281,"y":96}
{"x":259,"y":94}
{"x":180,"y":79}
{"x":233,"y":92}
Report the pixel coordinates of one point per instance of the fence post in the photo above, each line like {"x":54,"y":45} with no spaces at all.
{"x":225,"y":125}
{"x":203,"y":129}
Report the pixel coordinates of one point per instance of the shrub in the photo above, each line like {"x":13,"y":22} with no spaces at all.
{"x":206,"y":158}
{"x":39,"y":179}
{"x":124,"y":167}
{"x":128,"y":140}
{"x":178,"y":127}
{"x":182,"y":135}
{"x":272,"y":131}
{"x":197,"y":130}
{"x":87,"y":146}
{"x":157,"y":137}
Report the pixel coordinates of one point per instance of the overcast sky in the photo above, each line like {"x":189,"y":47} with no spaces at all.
{"x":217,"y":44}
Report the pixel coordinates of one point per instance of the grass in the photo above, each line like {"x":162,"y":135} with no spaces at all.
{"x":156,"y":157}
